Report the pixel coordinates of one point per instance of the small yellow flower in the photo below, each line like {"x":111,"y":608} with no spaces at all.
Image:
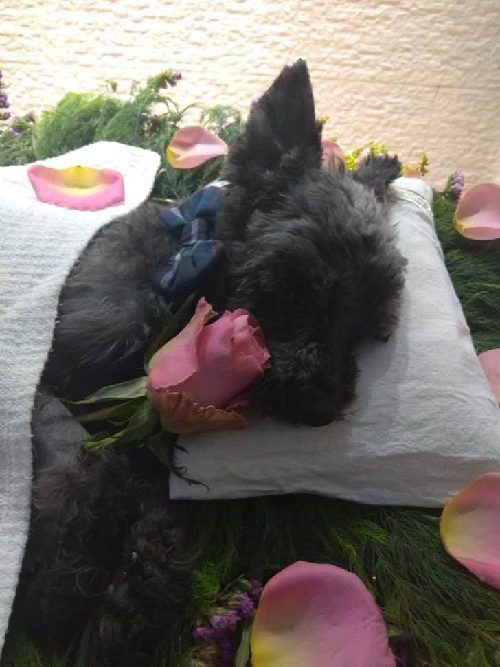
{"x":323,"y":119}
{"x":352,"y":159}
{"x":378,"y":148}
{"x":424,"y":164}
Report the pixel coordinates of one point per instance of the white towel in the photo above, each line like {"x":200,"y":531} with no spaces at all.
{"x":39,"y":243}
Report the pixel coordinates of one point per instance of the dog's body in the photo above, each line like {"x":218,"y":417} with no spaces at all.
{"x":309,"y":254}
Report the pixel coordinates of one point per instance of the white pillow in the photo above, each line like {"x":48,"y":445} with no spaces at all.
{"x":425,"y":422}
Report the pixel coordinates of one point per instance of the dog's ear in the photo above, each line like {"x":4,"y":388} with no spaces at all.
{"x":282,"y":122}
{"x":280,"y":143}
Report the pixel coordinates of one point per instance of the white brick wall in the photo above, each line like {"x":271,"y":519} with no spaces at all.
{"x":417,"y":74}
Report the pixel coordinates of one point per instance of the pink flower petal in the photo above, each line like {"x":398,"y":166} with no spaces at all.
{"x":332,"y":154}
{"x":178,"y":359}
{"x":313,"y":615}
{"x":490,"y":361}
{"x":248,"y":337}
{"x":81,"y":188}
{"x":223,"y":372}
{"x":192,"y":146}
{"x":213,"y":363}
{"x":478,"y":213}
{"x":470,"y":528}
{"x":180,"y":414}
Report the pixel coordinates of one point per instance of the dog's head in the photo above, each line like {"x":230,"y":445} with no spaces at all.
{"x":308,"y":253}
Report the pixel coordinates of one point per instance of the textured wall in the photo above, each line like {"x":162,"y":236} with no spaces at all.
{"x":417,"y":74}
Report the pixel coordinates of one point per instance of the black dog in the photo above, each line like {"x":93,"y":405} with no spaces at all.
{"x":308,"y":252}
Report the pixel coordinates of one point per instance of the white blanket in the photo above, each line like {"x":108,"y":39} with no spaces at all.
{"x":425,"y":422}
{"x":38,"y":245}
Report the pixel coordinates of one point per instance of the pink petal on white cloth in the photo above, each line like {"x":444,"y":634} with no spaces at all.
{"x":470,"y":528}
{"x":490,"y":361}
{"x":313,"y":615}
{"x":78,"y":187}
{"x":177,"y":360}
{"x":193,"y":145}
{"x":478,"y":213}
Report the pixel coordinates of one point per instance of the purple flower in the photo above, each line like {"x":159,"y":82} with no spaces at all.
{"x":14,"y":133}
{"x":455,"y":186}
{"x":175,"y":77}
{"x":458,"y":182}
{"x":225,"y":624}
{"x":246,"y":605}
{"x":226,"y":652}
{"x":255,"y":589}
{"x":203,"y":633}
{"x":4,"y":101}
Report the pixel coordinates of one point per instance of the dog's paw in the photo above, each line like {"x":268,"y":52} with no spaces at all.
{"x":377,"y":172}
{"x":386,"y":167}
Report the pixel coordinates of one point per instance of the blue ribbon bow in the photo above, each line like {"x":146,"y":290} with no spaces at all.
{"x":194,"y":219}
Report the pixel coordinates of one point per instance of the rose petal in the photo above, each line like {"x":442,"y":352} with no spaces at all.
{"x":178,"y":359}
{"x":470,"y":528}
{"x":248,"y":337}
{"x":332,"y":154}
{"x":478,"y":213}
{"x":222,"y":371}
{"x":490,"y":361}
{"x":192,"y":146}
{"x":81,"y":188}
{"x":313,"y":615}
{"x":179,"y":414}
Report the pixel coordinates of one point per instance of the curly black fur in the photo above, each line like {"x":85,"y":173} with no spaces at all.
{"x":308,"y":252}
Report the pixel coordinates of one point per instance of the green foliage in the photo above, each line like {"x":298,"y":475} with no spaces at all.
{"x":447,"y":615}
{"x":474,"y":267}
{"x":74,"y":122}
{"x":148,"y":119}
{"x":16,"y":142}
{"x":19,"y":652}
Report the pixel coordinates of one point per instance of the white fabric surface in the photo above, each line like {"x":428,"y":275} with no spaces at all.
{"x":425,"y":422}
{"x":38,"y":245}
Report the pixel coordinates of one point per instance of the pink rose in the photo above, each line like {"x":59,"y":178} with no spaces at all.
{"x":196,"y":377}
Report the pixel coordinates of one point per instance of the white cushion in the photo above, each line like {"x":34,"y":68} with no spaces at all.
{"x":423,"y":426}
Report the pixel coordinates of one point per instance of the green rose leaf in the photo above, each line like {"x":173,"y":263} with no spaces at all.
{"x":118,"y":392}
{"x":116,"y":414}
{"x":141,"y":424}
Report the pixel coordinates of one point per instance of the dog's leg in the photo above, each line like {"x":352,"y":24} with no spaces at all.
{"x":151,"y":586}
{"x":78,"y":522}
{"x":107,"y":548}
